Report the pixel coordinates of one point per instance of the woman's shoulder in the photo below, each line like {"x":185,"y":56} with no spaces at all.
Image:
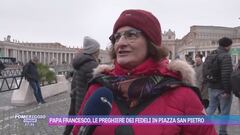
{"x":177,"y":101}
{"x":83,"y":60}
{"x":184,"y":92}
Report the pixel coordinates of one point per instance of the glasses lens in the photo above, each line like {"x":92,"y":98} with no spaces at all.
{"x":117,"y":36}
{"x":132,"y":34}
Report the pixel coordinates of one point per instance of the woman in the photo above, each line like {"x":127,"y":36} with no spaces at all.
{"x":83,"y":65}
{"x":142,"y":81}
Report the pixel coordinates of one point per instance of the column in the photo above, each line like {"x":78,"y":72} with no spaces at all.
{"x":40,"y":55}
{"x":47,"y":58}
{"x":31,"y":54}
{"x":26,"y":56}
{"x":69,"y":58}
{"x":5,"y":52}
{"x":65,"y":57}
{"x":44,"y":57}
{"x":60,"y":58}
{"x":15,"y":53}
{"x":56,"y":54}
{"x":27,"y":59}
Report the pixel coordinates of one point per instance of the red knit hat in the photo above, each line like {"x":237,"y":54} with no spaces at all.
{"x":141,"y":20}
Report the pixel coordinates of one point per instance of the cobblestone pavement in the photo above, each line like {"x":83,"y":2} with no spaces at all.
{"x":59,"y":104}
{"x":9,"y":125}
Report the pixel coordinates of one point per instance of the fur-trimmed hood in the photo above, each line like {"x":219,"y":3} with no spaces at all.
{"x":186,"y":71}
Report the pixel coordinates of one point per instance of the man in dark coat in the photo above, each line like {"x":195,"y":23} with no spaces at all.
{"x":220,"y":91}
{"x":83,"y":65}
{"x":32,"y":76}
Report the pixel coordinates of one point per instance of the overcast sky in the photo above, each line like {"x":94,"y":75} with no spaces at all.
{"x":68,"y":21}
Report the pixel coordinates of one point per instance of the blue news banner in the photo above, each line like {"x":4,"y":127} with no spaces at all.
{"x":58,"y":120}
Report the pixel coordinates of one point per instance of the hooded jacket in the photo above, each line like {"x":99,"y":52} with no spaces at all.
{"x":83,"y":65}
{"x":178,"y":101}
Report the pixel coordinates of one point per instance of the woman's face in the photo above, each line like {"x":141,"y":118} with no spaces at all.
{"x":130,"y":47}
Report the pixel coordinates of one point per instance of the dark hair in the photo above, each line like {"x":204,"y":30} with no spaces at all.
{"x":154,"y":52}
{"x":225,"y":42}
{"x":199,"y":55}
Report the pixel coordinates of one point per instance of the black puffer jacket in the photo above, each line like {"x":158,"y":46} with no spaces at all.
{"x":31,"y":71}
{"x":83,"y":65}
{"x":226,"y":68}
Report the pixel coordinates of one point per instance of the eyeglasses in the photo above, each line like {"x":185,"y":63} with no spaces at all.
{"x":129,"y":35}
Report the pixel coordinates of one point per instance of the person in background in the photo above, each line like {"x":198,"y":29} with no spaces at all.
{"x":2,"y":67}
{"x":220,"y":92}
{"x":189,"y":59}
{"x":32,"y":76}
{"x":143,"y":82}
{"x":199,"y":77}
{"x":237,"y":91}
{"x":237,"y":66}
{"x":83,"y":65}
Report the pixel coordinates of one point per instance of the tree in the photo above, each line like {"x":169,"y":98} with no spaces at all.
{"x":45,"y":74}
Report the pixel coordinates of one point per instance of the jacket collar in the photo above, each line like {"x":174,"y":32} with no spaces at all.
{"x":222,"y":49}
{"x":177,"y":68}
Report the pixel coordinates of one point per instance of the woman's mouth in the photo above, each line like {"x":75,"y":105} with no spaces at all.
{"x":122,"y":53}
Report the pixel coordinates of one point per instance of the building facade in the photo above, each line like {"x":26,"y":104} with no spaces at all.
{"x":202,"y":39}
{"x":169,"y":41}
{"x":48,"y":53}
